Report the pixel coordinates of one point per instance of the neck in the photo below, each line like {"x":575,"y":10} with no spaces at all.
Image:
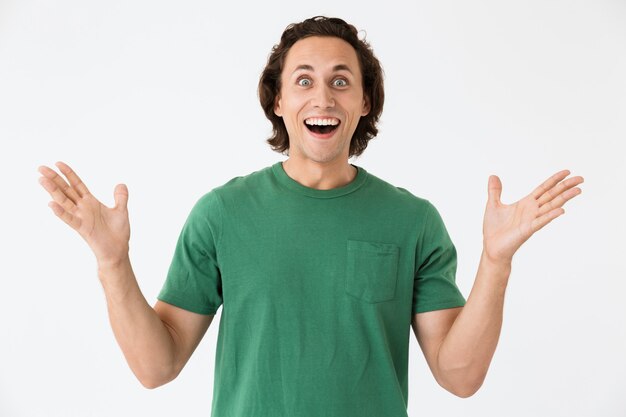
{"x":319,"y":175}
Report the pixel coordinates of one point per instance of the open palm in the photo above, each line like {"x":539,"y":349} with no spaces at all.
{"x":507,"y":226}
{"x":106,"y":230}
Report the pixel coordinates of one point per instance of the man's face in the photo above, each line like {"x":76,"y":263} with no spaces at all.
{"x":321,"y":98}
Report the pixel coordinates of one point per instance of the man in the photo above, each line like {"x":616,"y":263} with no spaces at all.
{"x":320,"y":266}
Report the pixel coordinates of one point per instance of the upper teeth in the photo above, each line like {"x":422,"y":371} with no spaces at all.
{"x":322,"y":122}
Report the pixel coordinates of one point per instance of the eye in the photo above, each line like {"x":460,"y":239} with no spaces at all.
{"x":340,"y":82}
{"x":304,"y":82}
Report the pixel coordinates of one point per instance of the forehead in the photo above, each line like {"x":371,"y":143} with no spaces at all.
{"x":321,"y":52}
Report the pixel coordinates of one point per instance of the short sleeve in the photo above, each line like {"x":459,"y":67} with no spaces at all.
{"x":434,"y":285}
{"x":193,"y":280}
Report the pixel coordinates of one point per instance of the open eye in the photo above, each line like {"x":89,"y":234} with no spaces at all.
{"x":304,"y":82}
{"x":340,"y":82}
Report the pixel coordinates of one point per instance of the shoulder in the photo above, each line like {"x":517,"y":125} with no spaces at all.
{"x":246,"y":182}
{"x":242,"y":183}
{"x":236,"y":186}
{"x":397,"y":195}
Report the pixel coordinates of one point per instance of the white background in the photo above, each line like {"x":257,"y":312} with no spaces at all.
{"x":162,"y":96}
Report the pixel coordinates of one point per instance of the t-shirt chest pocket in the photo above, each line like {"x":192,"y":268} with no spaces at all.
{"x":372,"y":270}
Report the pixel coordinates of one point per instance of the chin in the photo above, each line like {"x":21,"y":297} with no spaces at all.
{"x":323,"y":158}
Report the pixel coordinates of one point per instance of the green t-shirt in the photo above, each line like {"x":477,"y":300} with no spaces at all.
{"x":317,"y":288}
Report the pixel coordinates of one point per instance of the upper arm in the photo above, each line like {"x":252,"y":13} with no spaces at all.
{"x":186,"y":328}
{"x":430,"y":329}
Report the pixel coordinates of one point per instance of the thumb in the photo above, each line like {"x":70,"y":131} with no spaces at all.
{"x":120,"y":194}
{"x":494,"y":189}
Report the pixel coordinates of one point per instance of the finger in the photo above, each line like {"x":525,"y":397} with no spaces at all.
{"x":549,"y":183}
{"x":560,"y":200}
{"x":541,"y":221}
{"x":558,"y":189}
{"x":60,"y":182}
{"x":74,"y":180}
{"x":494,"y":189}
{"x":55,"y":192}
{"x":69,"y":219}
{"x":120,"y":194}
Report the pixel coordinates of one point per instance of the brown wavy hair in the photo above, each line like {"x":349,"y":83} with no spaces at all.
{"x":371,"y":70}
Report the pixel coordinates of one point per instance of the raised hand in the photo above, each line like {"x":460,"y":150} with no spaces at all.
{"x":507,"y":227}
{"x":106,"y":230}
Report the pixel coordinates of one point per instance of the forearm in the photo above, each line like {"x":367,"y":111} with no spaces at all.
{"x":145,"y":341}
{"x":466,"y":352}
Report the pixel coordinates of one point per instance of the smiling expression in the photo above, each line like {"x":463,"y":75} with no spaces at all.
{"x":321,"y":98}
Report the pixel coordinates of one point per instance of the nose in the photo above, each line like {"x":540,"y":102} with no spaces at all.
{"x":323,"y":97}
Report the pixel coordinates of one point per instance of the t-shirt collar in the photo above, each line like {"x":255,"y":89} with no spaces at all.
{"x":295,"y":186}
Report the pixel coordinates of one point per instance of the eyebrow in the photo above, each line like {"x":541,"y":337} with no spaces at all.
{"x":340,"y":67}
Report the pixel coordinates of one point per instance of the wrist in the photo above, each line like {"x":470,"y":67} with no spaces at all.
{"x":498,"y":263}
{"x":117,"y":278}
{"x":114,"y":265}
{"x":495,"y":260}
{"x":498,"y":270}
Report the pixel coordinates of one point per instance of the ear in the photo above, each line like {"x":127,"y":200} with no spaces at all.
{"x":366,"y":105}
{"x":277,"y":110}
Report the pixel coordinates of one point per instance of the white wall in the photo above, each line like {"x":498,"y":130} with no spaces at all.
{"x":162,"y":96}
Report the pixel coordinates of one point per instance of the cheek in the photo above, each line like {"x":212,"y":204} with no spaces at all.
{"x":291,"y":109}
{"x":290,"y":118}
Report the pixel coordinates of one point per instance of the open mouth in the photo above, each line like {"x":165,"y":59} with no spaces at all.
{"x":322,"y":128}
